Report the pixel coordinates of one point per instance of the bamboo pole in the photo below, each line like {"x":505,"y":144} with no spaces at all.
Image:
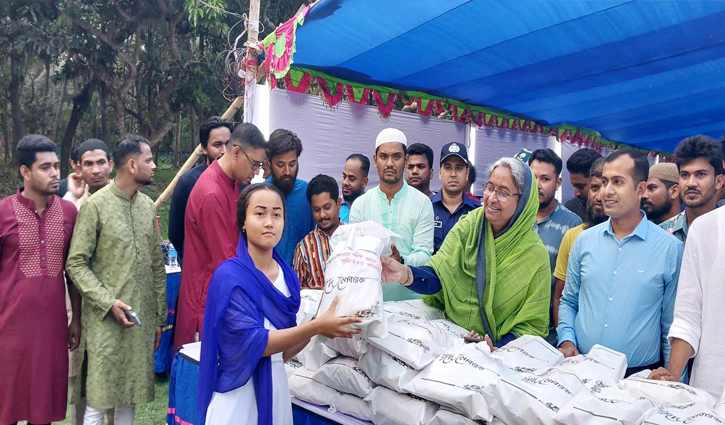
{"x":229,"y":114}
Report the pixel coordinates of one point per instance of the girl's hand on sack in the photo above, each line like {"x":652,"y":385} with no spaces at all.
{"x":662,"y":374}
{"x":333,"y":326}
{"x":393,"y":271}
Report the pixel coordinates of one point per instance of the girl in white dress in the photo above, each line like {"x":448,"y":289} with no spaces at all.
{"x":249,"y":322}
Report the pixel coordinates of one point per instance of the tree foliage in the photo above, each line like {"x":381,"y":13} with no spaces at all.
{"x":76,"y":69}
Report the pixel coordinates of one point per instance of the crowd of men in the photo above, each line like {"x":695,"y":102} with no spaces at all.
{"x":620,"y":273}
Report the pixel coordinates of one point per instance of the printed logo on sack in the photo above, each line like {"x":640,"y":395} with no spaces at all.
{"x":454,"y":148}
{"x":373,"y":311}
{"x":674,"y":418}
{"x":341,"y":282}
{"x":461,"y":359}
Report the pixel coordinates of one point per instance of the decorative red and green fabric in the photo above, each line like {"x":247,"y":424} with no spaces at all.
{"x":279,"y":46}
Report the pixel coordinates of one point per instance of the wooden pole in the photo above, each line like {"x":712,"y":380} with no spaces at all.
{"x":252,"y":38}
{"x":194,"y":157}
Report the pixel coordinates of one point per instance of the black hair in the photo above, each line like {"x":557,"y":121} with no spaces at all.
{"x":90,"y":145}
{"x":363,"y":160}
{"x":75,"y":153}
{"x":210,"y":124}
{"x":247,"y":135}
{"x":282,"y":141}
{"x":668,"y":184}
{"x":321,"y":184}
{"x":640,"y":171}
{"x":700,"y":146}
{"x":547,"y":156}
{"x":597,"y":167}
{"x":129,"y":145}
{"x":472,"y":174}
{"x":421,"y":149}
{"x":30,"y":145}
{"x":243,"y":202}
{"x":580,"y":162}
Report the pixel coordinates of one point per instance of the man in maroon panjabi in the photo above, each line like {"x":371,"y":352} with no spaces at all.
{"x":211,"y":234}
{"x":35,"y":233}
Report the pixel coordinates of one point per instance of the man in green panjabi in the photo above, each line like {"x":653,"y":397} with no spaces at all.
{"x":115,"y":259}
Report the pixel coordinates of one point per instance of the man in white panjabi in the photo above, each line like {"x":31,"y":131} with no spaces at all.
{"x":697,"y":330}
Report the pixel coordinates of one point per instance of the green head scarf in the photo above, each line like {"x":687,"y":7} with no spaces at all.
{"x":496,"y":284}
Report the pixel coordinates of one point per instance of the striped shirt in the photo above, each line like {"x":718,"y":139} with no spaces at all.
{"x":310,"y":258}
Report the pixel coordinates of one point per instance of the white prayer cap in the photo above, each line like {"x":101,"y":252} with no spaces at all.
{"x":391,"y":135}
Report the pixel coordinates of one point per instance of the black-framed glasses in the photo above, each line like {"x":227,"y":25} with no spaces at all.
{"x":255,"y":165}
{"x":501,"y":194}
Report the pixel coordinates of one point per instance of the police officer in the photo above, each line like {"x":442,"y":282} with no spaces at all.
{"x":450,"y":204}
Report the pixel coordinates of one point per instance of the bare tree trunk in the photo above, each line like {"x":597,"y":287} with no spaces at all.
{"x":16,"y":87}
{"x":59,"y":109}
{"x":6,"y":131}
{"x":177,"y":141}
{"x":143,"y":127}
{"x":192,"y":139}
{"x":47,"y":79}
{"x":104,"y":119}
{"x":120,"y":116}
{"x":80,"y":105}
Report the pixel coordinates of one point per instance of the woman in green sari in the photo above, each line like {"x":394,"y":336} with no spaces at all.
{"x":492,"y":273}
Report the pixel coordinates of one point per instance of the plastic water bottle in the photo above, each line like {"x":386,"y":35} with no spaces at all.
{"x":173,"y":256}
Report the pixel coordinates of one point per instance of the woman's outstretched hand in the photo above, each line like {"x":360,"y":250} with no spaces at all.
{"x":333,"y":326}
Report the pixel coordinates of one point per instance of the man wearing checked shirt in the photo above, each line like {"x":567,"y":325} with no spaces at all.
{"x":622,"y":275}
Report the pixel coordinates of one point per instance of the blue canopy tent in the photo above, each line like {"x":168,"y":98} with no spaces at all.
{"x":642,"y":73}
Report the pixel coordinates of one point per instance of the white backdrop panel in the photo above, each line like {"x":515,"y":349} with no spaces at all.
{"x":329,"y":136}
{"x":495,"y":143}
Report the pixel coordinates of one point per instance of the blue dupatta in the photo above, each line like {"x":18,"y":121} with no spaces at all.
{"x":229,"y":359}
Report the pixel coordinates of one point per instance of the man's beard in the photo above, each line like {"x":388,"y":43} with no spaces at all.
{"x":286,"y":184}
{"x":352,"y":196}
{"x":707,"y":197}
{"x":392,"y":180}
{"x":547,"y":201}
{"x":595,"y":218}
{"x":658,"y":213}
{"x":48,"y":190}
{"x":144,"y":180}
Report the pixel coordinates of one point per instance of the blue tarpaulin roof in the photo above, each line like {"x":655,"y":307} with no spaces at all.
{"x":644,"y":73}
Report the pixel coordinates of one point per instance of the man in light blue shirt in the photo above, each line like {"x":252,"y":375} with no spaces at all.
{"x":622,"y":275}
{"x":283,"y":152}
{"x":354,"y":182}
{"x":399,"y":208}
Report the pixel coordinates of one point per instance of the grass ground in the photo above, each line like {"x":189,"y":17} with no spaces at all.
{"x":153,"y":413}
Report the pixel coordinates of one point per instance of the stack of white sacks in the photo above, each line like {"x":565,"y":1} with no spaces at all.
{"x":422,"y":372}
{"x":410,"y":366}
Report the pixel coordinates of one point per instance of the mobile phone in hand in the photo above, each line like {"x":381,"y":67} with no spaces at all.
{"x":133,"y":317}
{"x":472,"y":339}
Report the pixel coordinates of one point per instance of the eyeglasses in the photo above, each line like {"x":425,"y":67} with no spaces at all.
{"x":255,"y":165}
{"x":501,"y":194}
